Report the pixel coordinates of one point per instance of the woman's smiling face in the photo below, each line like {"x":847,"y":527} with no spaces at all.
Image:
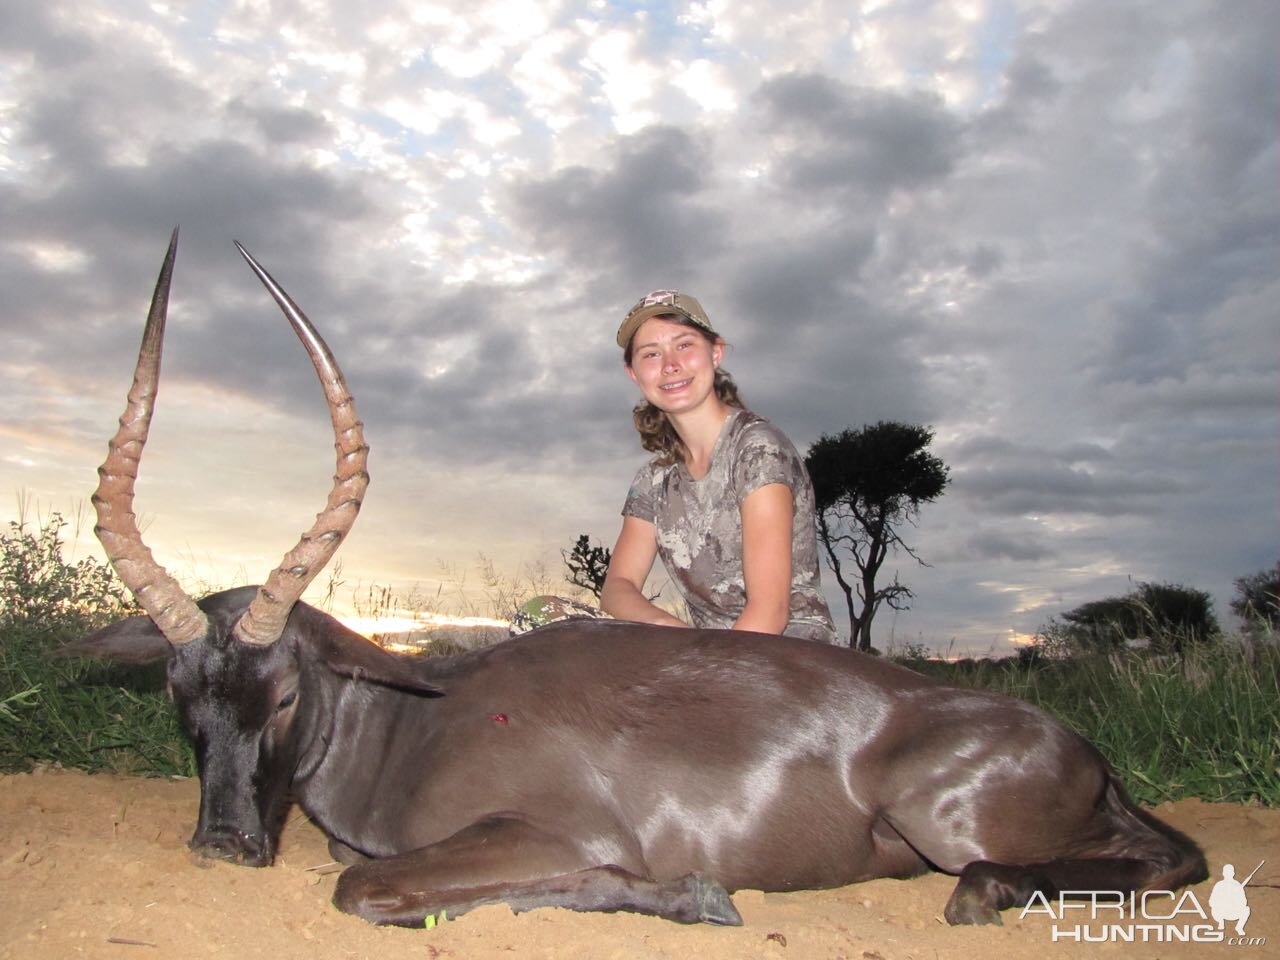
{"x":673,"y":364}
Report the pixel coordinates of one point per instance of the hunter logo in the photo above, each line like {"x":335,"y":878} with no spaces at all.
{"x":1228,"y":900}
{"x":1155,"y":916}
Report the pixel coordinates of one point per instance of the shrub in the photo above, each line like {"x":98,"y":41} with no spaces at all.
{"x":1169,"y":617}
{"x":86,"y":715}
{"x":1257,"y":602}
{"x":39,"y":589}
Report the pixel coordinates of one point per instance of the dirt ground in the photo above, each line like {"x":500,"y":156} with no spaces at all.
{"x":97,"y":866}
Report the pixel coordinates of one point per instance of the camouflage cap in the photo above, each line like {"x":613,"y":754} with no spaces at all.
{"x":662,"y":303}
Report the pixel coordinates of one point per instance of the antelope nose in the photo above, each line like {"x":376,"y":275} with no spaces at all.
{"x":234,"y":846}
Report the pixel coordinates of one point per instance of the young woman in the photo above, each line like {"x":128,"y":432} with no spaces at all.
{"x":726,"y":501}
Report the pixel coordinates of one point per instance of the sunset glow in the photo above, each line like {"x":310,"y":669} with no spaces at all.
{"x":408,"y":623}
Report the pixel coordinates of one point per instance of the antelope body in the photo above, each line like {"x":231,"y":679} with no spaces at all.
{"x":599,"y":765}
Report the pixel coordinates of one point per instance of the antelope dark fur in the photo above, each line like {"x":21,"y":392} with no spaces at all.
{"x":595,"y":764}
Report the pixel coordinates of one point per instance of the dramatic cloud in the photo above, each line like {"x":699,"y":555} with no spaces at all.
{"x":1048,"y":230}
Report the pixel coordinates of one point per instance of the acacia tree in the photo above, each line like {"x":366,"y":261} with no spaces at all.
{"x":867,"y":483}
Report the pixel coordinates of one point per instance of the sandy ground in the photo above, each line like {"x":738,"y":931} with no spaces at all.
{"x":98,"y":867}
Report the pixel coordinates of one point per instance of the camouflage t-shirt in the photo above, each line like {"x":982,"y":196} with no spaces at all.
{"x":699,"y":525}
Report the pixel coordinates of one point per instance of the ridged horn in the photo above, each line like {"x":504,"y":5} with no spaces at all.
{"x":264,"y":621}
{"x":175,"y":613}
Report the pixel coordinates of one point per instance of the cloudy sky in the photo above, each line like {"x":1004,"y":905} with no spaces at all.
{"x":1048,"y":230}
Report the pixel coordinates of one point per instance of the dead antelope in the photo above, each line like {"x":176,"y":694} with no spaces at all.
{"x":598,"y":765}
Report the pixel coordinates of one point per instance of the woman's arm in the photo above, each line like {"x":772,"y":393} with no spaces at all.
{"x":623,"y":594}
{"x":766,"y":558}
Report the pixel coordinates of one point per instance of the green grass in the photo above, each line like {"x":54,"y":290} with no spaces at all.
{"x":1204,"y":725}
{"x":60,"y":711}
{"x":89,"y":716}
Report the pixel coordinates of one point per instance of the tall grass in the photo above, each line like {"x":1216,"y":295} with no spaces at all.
{"x":59,"y":711}
{"x":94,"y":717}
{"x":1205,"y":724}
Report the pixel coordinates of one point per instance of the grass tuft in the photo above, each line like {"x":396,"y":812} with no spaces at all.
{"x":90,"y":716}
{"x":1205,"y":724}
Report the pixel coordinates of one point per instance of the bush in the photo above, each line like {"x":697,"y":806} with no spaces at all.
{"x":39,"y":589}
{"x":1257,"y":602}
{"x":1169,"y":617}
{"x":90,"y":716}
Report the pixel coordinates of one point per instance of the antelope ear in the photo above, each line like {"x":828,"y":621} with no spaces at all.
{"x":134,"y":640}
{"x":399,"y":675}
{"x":348,"y":654}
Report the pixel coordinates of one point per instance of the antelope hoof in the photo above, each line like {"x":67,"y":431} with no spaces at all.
{"x":714,"y":903}
{"x":966,"y":906}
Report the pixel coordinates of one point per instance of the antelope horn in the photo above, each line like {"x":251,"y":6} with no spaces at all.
{"x":264,"y":621}
{"x":175,"y":613}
